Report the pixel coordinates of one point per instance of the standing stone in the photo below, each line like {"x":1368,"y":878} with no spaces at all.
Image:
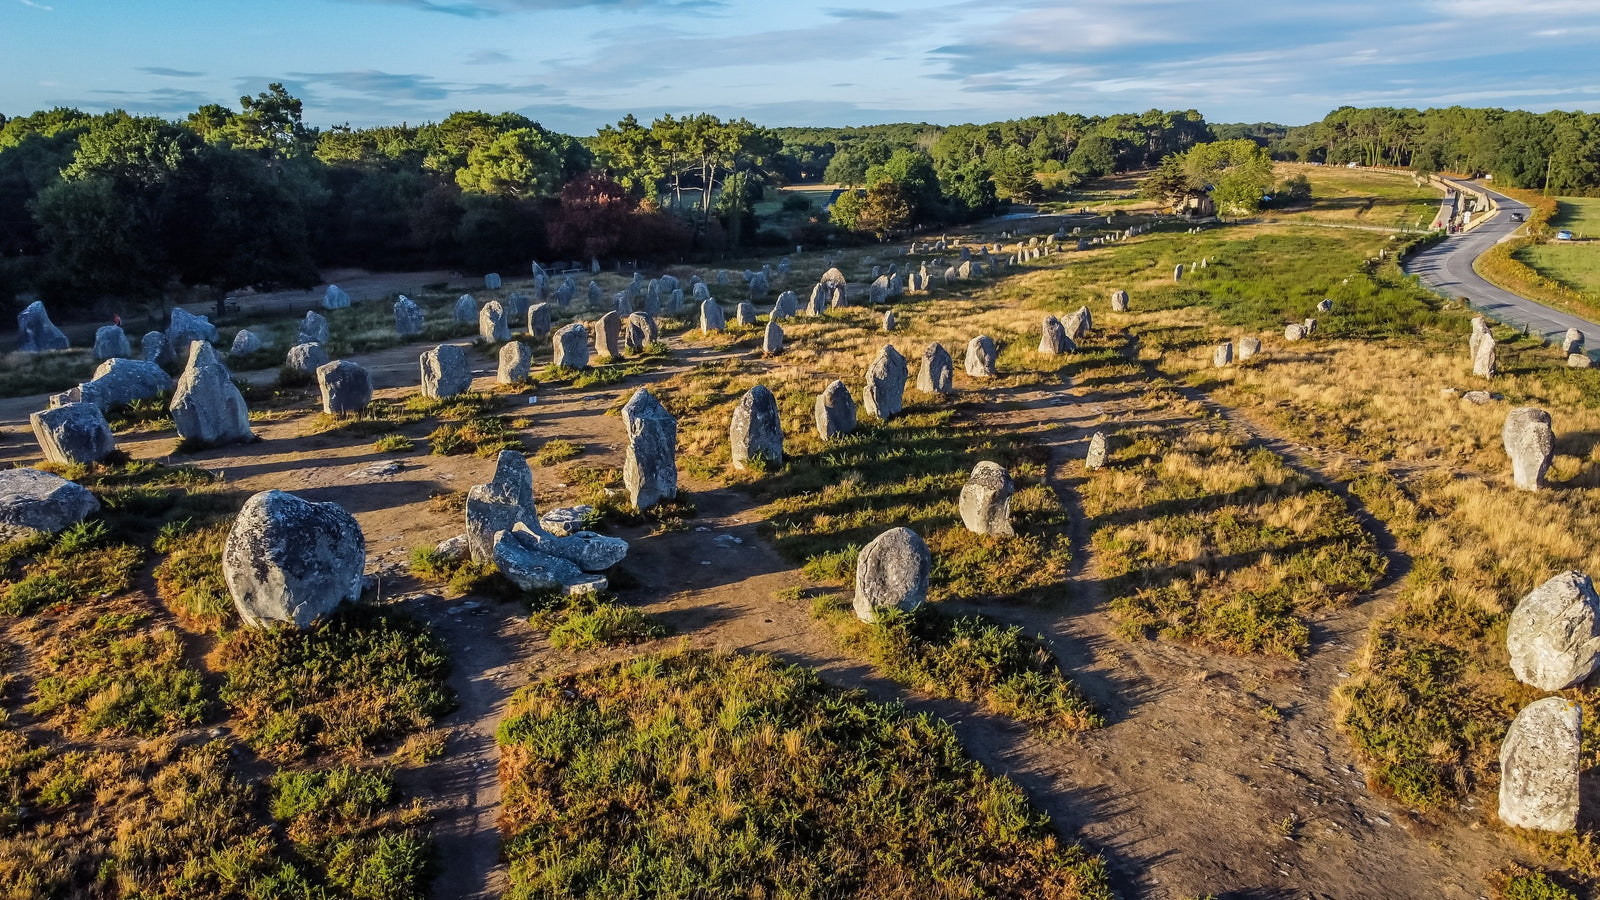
{"x":290,"y":560}
{"x":492,"y":324}
{"x":937,"y":375}
{"x":711,"y":317}
{"x":118,"y":382}
{"x":445,"y":372}
{"x":1248,"y":347}
{"x":596,"y":296}
{"x":35,"y":502}
{"x":1480,"y":330}
{"x":313,"y":329}
{"x":981,"y":354}
{"x":833,"y":277}
{"x":1294,"y":332}
{"x":878,"y":292}
{"x":759,"y":288}
{"x":335,"y":298}
{"x":244,"y":341}
{"x":1223,"y":355}
{"x":516,"y":307}
{"x":675,"y":302}
{"x":1119,"y":301}
{"x":886,"y":384}
{"x":184,"y":328}
{"x":1485,"y":363}
{"x":835,"y":411}
{"x":1079,"y":323}
{"x":539,"y":320}
{"x":491,"y":281}
{"x":572,"y":347}
{"x":986,"y":500}
{"x":772,"y":339}
{"x":1530,"y":442}
{"x":640,"y":332}
{"x":110,"y":342}
{"x":892,"y":573}
{"x":73,"y":433}
{"x":1311,"y":326}
{"x":1096,"y":457}
{"x":1325,"y":306}
{"x":1570,"y":344}
{"x":346,"y":387}
{"x":36,"y":333}
{"x":152,"y":346}
{"x":701,"y":292}
{"x":888,"y":321}
{"x":506,"y":501}
{"x":745,"y":314}
{"x":622,"y":303}
{"x":1054,"y":340}
{"x":608,"y":336}
{"x":466,"y":309}
{"x":566,"y":292}
{"x":1177,"y":272}
{"x":305,"y":358}
{"x":516,"y":362}
{"x":820,"y":297}
{"x":756,"y":430}
{"x":1554,"y":633}
{"x":650,"y":471}
{"x":1539,"y":764}
{"x":786,"y":306}
{"x":207,"y":407}
{"x":1579,"y":361}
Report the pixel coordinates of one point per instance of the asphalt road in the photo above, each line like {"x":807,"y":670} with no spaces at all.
{"x":1447,"y":267}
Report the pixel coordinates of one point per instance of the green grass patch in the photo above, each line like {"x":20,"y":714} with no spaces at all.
{"x":715,"y":775}
{"x":589,"y":621}
{"x":81,"y":562}
{"x":190,"y":578}
{"x":118,"y":678}
{"x":556,"y":451}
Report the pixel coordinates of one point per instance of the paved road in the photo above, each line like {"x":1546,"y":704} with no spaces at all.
{"x":1447,"y":267}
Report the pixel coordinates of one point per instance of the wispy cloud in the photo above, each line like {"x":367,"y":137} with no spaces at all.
{"x":478,"y":9}
{"x":487,"y":58}
{"x":38,"y":6}
{"x":165,"y":72}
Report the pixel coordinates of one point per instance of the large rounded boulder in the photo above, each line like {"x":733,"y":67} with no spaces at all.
{"x":892,"y":573}
{"x":292,"y":560}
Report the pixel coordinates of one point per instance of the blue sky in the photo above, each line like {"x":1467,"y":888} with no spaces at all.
{"x":577,"y":64}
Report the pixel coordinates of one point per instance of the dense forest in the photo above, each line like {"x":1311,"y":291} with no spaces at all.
{"x":112,"y":206}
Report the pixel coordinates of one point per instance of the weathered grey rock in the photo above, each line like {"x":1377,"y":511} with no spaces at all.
{"x":772,"y":338}
{"x":346,"y":387}
{"x":1477,"y":398}
{"x":1325,"y":306}
{"x":1485,"y":362}
{"x":408,"y":317}
{"x":596,"y":296}
{"x":110,"y":342}
{"x":36,"y":333}
{"x":1177,"y":272}
{"x":835,"y":411}
{"x":1294,"y":332}
{"x":1310,"y":326}
{"x":445,"y":372}
{"x":453,"y":549}
{"x":244,"y":341}
{"x":675,"y":302}
{"x":335,"y":298}
{"x":203,"y":354}
{"x":701,"y":292}
{"x":313,"y":329}
{"x":1223,"y":355}
{"x":639,"y":332}
{"x":566,"y":293}
{"x":207,"y":407}
{"x":1054,"y":340}
{"x":821,"y":298}
{"x":759,"y":286}
{"x":118,"y":382}
{"x":1539,"y":763}
{"x":787,"y":305}
{"x":622,"y":304}
{"x":885,"y":390}
{"x":1571,"y":343}
{"x":290,"y":560}
{"x":1480,"y":330}
{"x":183,"y":329}
{"x":1530,"y":442}
{"x":1079,"y":323}
{"x":1248,"y":347}
{"x":565,"y":520}
{"x":878,"y":292}
{"x":33,"y":502}
{"x":892,"y":572}
{"x":608,"y":336}
{"x":937,"y":375}
{"x":493,"y":325}
{"x":503,"y":502}
{"x":711,"y":317}
{"x":539,"y":320}
{"x":572,"y":347}
{"x":1579,"y":361}
{"x":466,"y":310}
{"x":307,"y":358}
{"x":516,"y":361}
{"x":517,"y":555}
{"x":152,"y":346}
{"x":888,"y":321}
{"x":1554,"y":633}
{"x":981,"y":355}
{"x":1096,"y":457}
{"x":650,"y":468}
{"x":73,"y":433}
{"x":745,"y":314}
{"x":588,"y":551}
{"x":516,"y":307}
{"x":986,"y":500}
{"x":756,"y":430}
{"x":1119,"y":301}
{"x":833,"y":277}
{"x":491,"y":281}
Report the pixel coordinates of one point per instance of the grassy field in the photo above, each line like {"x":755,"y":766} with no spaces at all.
{"x":1575,"y":264}
{"x":1360,"y":197}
